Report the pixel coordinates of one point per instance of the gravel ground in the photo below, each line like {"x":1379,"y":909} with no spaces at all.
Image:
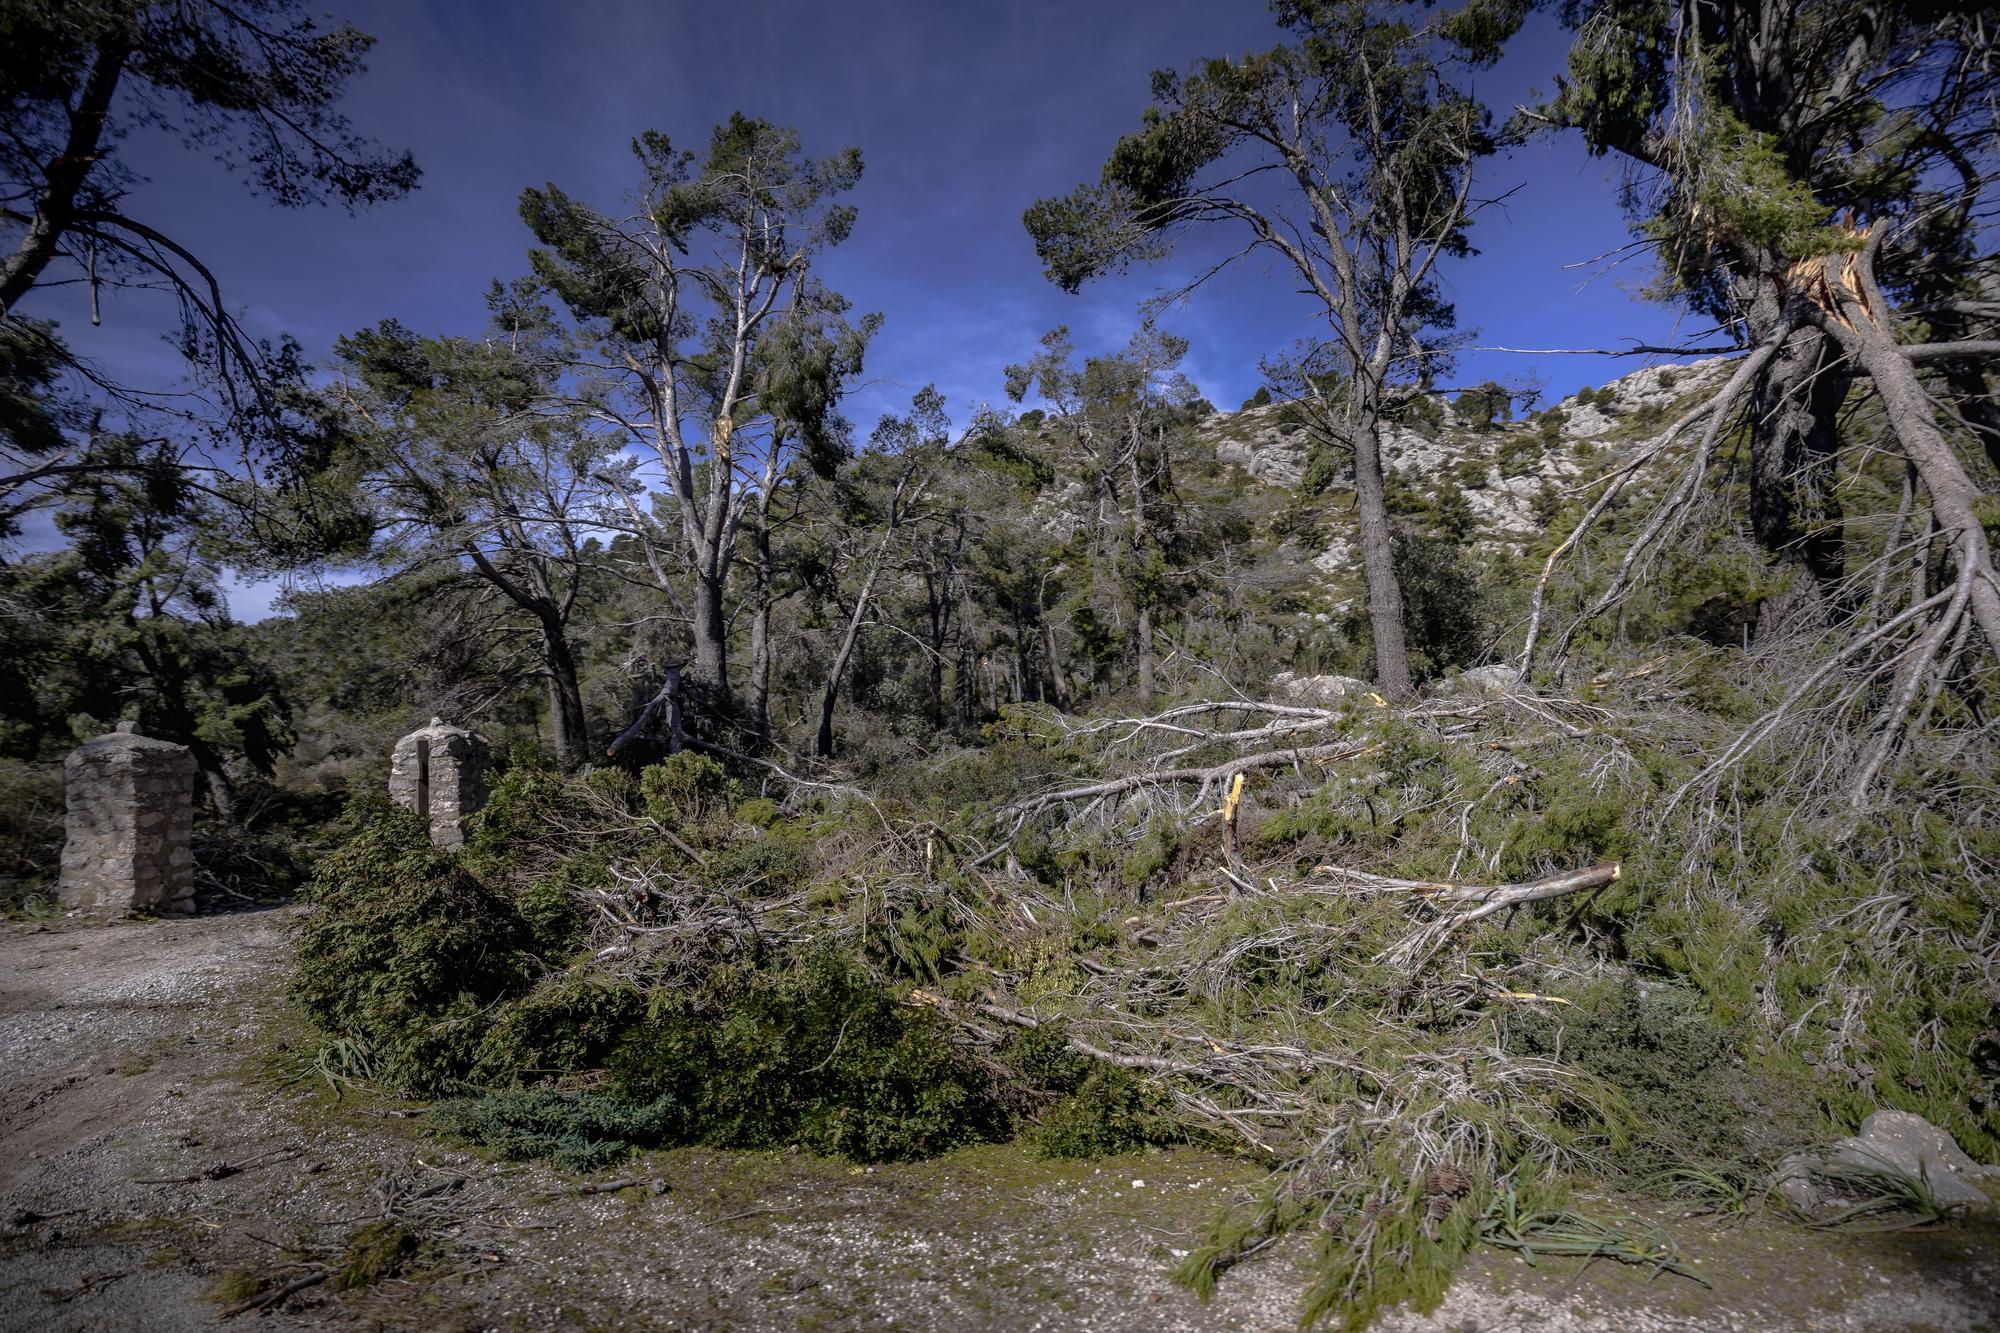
{"x":156,"y":1157}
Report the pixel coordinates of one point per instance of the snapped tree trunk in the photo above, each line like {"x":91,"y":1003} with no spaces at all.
{"x":1794,"y":442}
{"x":1378,"y":562}
{"x":1852,"y":311}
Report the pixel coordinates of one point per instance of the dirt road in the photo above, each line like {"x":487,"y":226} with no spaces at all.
{"x":166,"y":1152}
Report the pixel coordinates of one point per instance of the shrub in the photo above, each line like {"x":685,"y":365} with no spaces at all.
{"x":1483,"y":406}
{"x":31,"y":830}
{"x":768,"y":864}
{"x":549,"y":910}
{"x":819,"y":1055}
{"x":1663,"y":1052}
{"x":1443,"y":606}
{"x":582,"y":1131}
{"x":404,"y":949}
{"x":1111,"y":1111}
{"x":563,"y":1025}
{"x":685,"y":790}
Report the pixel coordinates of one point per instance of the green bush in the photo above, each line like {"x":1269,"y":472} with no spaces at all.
{"x":685,"y":790}
{"x":1667,"y":1057}
{"x":549,"y":909}
{"x":1443,"y":605}
{"x":582,"y":1131}
{"x":769,"y":864}
{"x":563,"y":1025}
{"x":1112,"y":1110}
{"x":31,"y":831}
{"x":405,"y":950}
{"x":819,"y":1055}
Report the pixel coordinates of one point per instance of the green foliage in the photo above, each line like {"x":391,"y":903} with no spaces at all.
{"x":374,"y":1251}
{"x":770,"y":863}
{"x":1111,"y":1110}
{"x":1484,"y":407}
{"x":819,"y":1055}
{"x":1422,"y":413}
{"x":1153,"y":854}
{"x":31,"y":833}
{"x":686,"y":790}
{"x":1443,"y":605}
{"x":1662,"y":1050}
{"x":566,"y":1024}
{"x":549,"y":909}
{"x":578,"y":1130}
{"x":405,"y":950}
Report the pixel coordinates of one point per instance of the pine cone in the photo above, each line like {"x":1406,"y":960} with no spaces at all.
{"x":1448,"y":1182}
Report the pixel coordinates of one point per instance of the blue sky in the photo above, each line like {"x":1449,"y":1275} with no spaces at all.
{"x":964,"y":113}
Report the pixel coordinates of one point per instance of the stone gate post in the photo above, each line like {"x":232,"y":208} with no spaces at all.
{"x":129,"y":817}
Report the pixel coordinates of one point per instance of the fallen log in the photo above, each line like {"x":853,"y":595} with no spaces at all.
{"x":1483,"y":899}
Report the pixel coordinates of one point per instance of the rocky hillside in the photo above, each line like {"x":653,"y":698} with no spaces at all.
{"x":1506,"y":471}
{"x":1497,"y":483}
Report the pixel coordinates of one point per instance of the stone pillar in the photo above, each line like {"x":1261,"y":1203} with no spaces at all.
{"x":130,"y":825}
{"x":440,"y":773}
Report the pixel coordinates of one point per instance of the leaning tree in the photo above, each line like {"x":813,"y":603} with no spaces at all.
{"x":1815,"y":176}
{"x":470,"y":459}
{"x":1349,"y":154}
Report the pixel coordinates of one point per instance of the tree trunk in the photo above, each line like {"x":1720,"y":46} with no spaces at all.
{"x":565,"y":698}
{"x":710,"y":666}
{"x":1378,"y":562}
{"x":760,"y":629}
{"x":823,"y":742}
{"x":1865,"y":336}
{"x":1794,"y":443}
{"x":1058,"y":686}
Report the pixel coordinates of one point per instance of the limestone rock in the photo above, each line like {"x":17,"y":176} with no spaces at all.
{"x":1499,"y":678}
{"x":1317,"y":691}
{"x":1888,"y":1141}
{"x":1899,"y":1141}
{"x":129,"y":822}
{"x":440,"y":773}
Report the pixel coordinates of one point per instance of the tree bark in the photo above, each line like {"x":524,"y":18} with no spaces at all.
{"x":710,"y":666}
{"x":760,"y":628}
{"x":565,"y":697}
{"x":1852,"y":311}
{"x":1378,"y":561}
{"x":66,"y":175}
{"x":1794,"y":444}
{"x":823,"y":741}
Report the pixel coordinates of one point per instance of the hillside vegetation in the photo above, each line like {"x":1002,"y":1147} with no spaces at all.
{"x":1437,"y":795}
